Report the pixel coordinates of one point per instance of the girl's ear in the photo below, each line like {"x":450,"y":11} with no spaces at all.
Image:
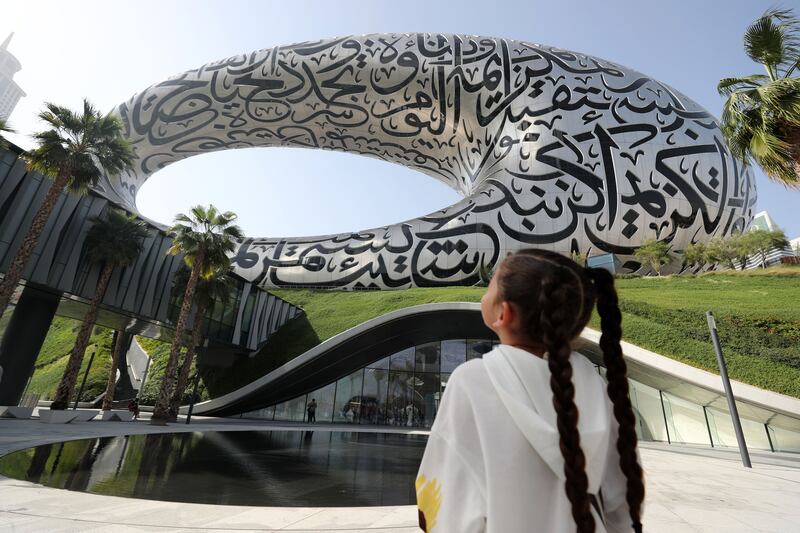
{"x":506,"y":316}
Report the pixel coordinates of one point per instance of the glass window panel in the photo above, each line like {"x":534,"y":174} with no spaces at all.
{"x":454,"y":352}
{"x":445,"y":378}
{"x":247,"y":315}
{"x":755,"y":434}
{"x":325,"y":402}
{"x":216,"y":311}
{"x":427,"y":357}
{"x":403,"y":360}
{"x":646,"y":402}
{"x":348,"y":397}
{"x":229,"y":312}
{"x":687,"y":423}
{"x":268,"y":413}
{"x":383,"y":363}
{"x":399,"y":404}
{"x":721,"y":425}
{"x":476,"y":348}
{"x":785,"y":440}
{"x":293,"y":410}
{"x":373,"y":399}
{"x":426,"y":398}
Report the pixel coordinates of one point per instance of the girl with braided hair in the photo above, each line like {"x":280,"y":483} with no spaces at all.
{"x":530,"y":438}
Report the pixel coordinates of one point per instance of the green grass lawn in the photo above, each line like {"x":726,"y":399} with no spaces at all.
{"x":758,"y":315}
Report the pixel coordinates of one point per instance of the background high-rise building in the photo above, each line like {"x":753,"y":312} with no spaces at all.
{"x":764,"y":222}
{"x":10,"y":92}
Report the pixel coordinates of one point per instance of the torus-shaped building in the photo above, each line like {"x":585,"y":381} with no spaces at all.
{"x":550,"y":149}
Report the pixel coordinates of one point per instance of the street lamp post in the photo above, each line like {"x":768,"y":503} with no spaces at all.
{"x":726,"y":383}
{"x":83,"y":383}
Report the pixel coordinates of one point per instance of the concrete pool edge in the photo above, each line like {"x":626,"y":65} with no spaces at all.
{"x":30,"y":507}
{"x":30,"y":502}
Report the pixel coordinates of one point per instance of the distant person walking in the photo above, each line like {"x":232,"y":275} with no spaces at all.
{"x":529,"y":438}
{"x":312,"y":411}
{"x":133,"y":407}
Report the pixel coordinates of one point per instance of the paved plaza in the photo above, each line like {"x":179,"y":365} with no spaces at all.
{"x":689,"y":489}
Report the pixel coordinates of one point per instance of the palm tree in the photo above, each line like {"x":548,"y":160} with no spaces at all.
{"x":118,"y":344}
{"x":111,"y":242}
{"x":205,"y":237}
{"x":4,"y":128}
{"x":213,"y":291}
{"x":74,"y":152}
{"x":761,"y":118}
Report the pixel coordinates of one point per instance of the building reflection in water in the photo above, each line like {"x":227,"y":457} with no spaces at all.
{"x":270,"y":468}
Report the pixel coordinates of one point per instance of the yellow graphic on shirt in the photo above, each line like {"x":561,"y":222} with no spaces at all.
{"x":429,"y":500}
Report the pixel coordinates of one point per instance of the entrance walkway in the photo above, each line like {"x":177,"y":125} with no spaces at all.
{"x":689,"y":489}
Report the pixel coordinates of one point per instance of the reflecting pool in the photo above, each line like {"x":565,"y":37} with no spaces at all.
{"x":269,"y":468}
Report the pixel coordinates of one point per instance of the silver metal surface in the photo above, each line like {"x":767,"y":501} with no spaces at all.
{"x":550,"y":148}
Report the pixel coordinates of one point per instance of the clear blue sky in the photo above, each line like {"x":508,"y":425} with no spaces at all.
{"x":109,"y":50}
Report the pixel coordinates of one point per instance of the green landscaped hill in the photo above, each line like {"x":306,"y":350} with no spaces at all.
{"x":55,"y":352}
{"x":758,"y":318}
{"x":159,"y":354}
{"x":758,"y":315}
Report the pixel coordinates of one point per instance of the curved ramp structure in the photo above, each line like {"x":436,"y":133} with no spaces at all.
{"x":688,"y":393}
{"x":550,"y":148}
{"x":349,"y":350}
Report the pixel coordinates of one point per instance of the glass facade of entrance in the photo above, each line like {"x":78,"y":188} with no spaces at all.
{"x":404,"y":389}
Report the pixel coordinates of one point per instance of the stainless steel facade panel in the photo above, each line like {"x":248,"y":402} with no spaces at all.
{"x":550,"y":148}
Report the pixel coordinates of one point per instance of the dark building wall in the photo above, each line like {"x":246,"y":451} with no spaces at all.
{"x":140,"y":291}
{"x":23,"y":339}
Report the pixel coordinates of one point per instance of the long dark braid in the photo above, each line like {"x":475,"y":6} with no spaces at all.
{"x":616,"y":373}
{"x":565,"y":294}
{"x":552,"y":324}
{"x":563,"y":308}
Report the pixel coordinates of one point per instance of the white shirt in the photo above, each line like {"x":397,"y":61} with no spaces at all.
{"x":493,"y":462}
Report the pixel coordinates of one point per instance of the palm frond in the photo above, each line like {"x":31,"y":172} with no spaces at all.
{"x":115,"y":239}
{"x":764,"y":43}
{"x":782,"y":97}
{"x":761,"y":116}
{"x":774,"y":40}
{"x":217,"y":288}
{"x":727,"y":86}
{"x":82,"y":146}
{"x":208,"y":233}
{"x":199,"y":214}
